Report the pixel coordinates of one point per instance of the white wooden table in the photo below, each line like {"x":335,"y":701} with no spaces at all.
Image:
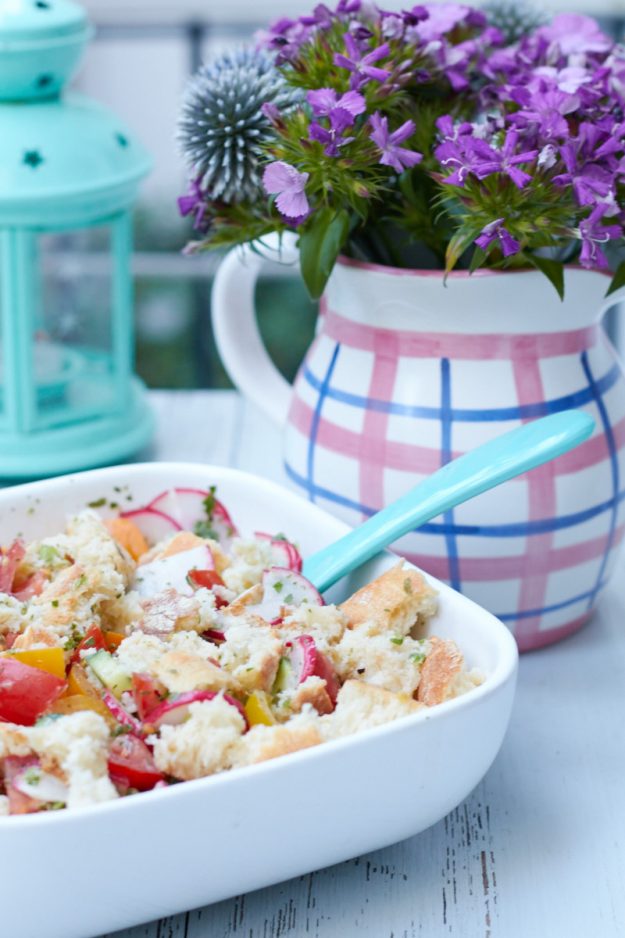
{"x":536,"y":851}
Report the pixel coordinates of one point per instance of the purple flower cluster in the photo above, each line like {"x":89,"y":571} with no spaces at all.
{"x":555,"y":105}
{"x":338,"y":112}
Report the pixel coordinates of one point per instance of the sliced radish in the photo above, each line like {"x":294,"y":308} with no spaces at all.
{"x":153,"y":524}
{"x":172,"y":572}
{"x":187,"y":507}
{"x":40,"y":785}
{"x":307,"y":661}
{"x":176,"y":710}
{"x":214,"y":636}
{"x":285,"y":554}
{"x":120,"y":713}
{"x":284,"y":588}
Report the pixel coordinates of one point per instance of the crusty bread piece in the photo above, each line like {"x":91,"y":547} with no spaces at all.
{"x":385,"y":660}
{"x":312,"y":691}
{"x":251,"y":653}
{"x":269,"y":742}
{"x":202,"y":745}
{"x":180,"y":671}
{"x":250,"y":597}
{"x":443,"y":674}
{"x":360,"y":706}
{"x":13,"y":741}
{"x":392,"y":602}
{"x":167,"y":611}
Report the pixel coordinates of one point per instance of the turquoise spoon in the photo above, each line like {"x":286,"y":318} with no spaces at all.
{"x":483,"y":468}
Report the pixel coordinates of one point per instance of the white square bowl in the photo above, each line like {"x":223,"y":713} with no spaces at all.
{"x":81,"y":873}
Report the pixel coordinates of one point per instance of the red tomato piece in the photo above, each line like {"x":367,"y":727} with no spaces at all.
{"x":9,"y":561}
{"x":205,"y":578}
{"x":93,"y":641}
{"x":131,"y":764}
{"x":19,"y":803}
{"x":148,"y":693}
{"x":30,"y":587}
{"x":26,"y":692}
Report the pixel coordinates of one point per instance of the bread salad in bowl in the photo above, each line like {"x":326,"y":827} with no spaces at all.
{"x":160,"y":645}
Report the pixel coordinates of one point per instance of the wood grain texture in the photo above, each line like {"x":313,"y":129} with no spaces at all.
{"x":536,"y":851}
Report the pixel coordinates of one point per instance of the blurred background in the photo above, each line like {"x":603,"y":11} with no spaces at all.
{"x":142,"y":55}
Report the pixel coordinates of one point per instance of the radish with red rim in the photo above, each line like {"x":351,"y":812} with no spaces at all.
{"x":154,"y":525}
{"x":174,"y":711}
{"x":120,"y":713}
{"x":307,"y":661}
{"x":285,"y":553}
{"x":284,"y":588}
{"x":197,"y":510}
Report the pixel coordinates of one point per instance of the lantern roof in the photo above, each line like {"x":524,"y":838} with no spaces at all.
{"x":64,"y":160}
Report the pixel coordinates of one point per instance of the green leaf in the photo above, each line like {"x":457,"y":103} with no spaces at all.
{"x":456,"y":248}
{"x":553,"y":270}
{"x":320,"y":245}
{"x":479,"y":256}
{"x":618,"y":280}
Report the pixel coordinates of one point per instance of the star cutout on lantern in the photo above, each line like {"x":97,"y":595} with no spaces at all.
{"x":33,"y":158}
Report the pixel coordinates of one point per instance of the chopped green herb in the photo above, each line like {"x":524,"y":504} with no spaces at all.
{"x":117,"y":488}
{"x":55,"y":603}
{"x":31,"y":510}
{"x":209,"y":502}
{"x":80,"y":582}
{"x":205,"y":529}
{"x":289,"y":599}
{"x":397,"y":640}
{"x":32,"y":777}
{"x":120,"y":731}
{"x":278,"y":586}
{"x":113,"y":505}
{"x":97,"y":503}
{"x":280,"y":537}
{"x":408,"y":585}
{"x":418,"y":658}
{"x":49,"y":554}
{"x":53,"y":806}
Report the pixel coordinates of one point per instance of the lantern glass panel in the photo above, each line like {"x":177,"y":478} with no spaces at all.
{"x":72,"y":312}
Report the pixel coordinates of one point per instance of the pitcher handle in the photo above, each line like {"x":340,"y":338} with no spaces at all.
{"x":612,"y":300}
{"x":236,"y":329}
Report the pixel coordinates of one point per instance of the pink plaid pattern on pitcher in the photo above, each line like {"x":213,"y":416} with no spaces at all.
{"x":359,"y":437}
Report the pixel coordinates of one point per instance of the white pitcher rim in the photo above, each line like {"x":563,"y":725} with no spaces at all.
{"x":353,"y":262}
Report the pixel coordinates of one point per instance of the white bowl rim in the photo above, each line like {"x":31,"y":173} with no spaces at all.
{"x":504,"y":670}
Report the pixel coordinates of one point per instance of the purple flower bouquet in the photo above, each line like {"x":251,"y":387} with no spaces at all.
{"x":431,"y":138}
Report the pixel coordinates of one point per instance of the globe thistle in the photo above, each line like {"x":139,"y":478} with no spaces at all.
{"x":222,"y":126}
{"x":515,"y":18}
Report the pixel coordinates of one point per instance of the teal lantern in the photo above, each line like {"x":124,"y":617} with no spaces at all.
{"x":69,"y":174}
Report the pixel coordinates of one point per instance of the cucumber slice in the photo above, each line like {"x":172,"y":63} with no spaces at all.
{"x":110,"y":672}
{"x":283,"y":677}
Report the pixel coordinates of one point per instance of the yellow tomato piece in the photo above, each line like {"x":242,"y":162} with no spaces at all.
{"x":76,"y":702}
{"x":113,"y":639}
{"x":51,"y":660}
{"x":258,"y":710}
{"x":79,"y":684}
{"x":126,"y":533}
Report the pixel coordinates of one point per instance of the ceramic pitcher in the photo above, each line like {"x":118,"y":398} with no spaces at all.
{"x":407,"y":371}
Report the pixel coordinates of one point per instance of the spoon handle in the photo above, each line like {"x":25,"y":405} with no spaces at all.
{"x":483,"y":468}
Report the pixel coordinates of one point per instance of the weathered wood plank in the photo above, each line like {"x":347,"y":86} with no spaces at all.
{"x":537,"y":849}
